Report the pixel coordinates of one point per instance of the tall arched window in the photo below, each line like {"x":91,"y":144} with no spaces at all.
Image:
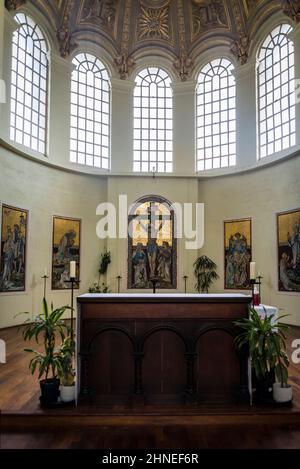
{"x":90,"y":113}
{"x":29,"y":84}
{"x":216,"y":116}
{"x":153,"y":121}
{"x":276,"y":92}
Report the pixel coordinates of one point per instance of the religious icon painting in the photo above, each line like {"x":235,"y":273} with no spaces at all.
{"x":288,"y":249}
{"x":13,"y":249}
{"x":237,"y":255}
{"x":152,"y":254}
{"x":65,"y":248}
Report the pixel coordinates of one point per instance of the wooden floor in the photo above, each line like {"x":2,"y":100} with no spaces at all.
{"x":25,"y":425}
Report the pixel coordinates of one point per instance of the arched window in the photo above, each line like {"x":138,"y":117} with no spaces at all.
{"x":152,"y":248}
{"x":216,"y":116}
{"x":90,"y":113}
{"x":153,"y":121}
{"x":276,"y":92}
{"x":29,"y":84}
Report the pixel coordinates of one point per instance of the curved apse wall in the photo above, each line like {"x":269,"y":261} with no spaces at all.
{"x":47,"y":191}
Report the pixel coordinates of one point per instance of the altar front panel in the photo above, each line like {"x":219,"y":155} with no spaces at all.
{"x":161,"y":349}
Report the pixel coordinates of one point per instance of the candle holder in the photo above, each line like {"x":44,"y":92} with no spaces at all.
{"x":73,"y":282}
{"x":185,"y":277}
{"x":253,"y":282}
{"x":119,"y":282}
{"x":154,"y":281}
{"x":45,"y":277}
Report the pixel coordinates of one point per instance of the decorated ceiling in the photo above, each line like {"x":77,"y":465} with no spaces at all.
{"x":182,"y":29}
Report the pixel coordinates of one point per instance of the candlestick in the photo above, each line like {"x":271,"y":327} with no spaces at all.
{"x":185,"y":277}
{"x":72,"y":269}
{"x":73,"y":282}
{"x":44,"y":277}
{"x":256,"y":293}
{"x":119,"y":282}
{"x":154,"y":281}
{"x":252,"y":270}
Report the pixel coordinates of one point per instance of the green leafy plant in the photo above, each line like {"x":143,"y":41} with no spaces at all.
{"x":46,"y":326}
{"x":266,"y":340}
{"x":65,"y":368}
{"x":96,"y":288}
{"x":205,"y":273}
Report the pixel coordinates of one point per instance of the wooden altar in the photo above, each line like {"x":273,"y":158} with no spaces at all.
{"x":160,"y":349}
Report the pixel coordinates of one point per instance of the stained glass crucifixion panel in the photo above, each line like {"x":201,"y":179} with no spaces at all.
{"x":152,"y":250}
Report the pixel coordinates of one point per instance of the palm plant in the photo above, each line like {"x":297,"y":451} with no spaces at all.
{"x":47,"y":326}
{"x":266,"y":341}
{"x":205,"y":273}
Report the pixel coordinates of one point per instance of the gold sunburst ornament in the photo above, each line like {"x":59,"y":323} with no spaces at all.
{"x":154,"y":23}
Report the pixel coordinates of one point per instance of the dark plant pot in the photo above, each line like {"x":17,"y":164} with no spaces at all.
{"x":264,"y":388}
{"x":49,"y":391}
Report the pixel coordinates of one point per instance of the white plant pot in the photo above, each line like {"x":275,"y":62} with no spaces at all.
{"x":67,"y":393}
{"x":282,"y":394}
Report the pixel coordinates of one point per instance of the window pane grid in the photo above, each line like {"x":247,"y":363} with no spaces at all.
{"x":29,"y":81}
{"x":276,"y":93}
{"x":153,"y":122}
{"x":90,"y":113}
{"x":216,"y":116}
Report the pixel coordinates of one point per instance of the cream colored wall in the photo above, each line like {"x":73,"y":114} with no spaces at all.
{"x":46,"y":191}
{"x":259,"y":195}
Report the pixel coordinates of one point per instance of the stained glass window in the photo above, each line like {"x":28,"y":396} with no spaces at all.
{"x":152,"y":246}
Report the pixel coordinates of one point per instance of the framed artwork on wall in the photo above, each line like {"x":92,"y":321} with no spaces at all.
{"x":152,"y":247}
{"x":237,"y":254}
{"x":65,"y":248}
{"x":14,"y":226}
{"x":288,"y":249}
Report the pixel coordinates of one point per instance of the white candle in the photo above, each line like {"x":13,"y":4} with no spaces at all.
{"x":72,"y":269}
{"x":252,"y":270}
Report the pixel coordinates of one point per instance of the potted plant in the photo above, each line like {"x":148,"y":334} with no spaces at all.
{"x":105,"y":260}
{"x":266,"y":340}
{"x":282,"y":391}
{"x":66,"y":371}
{"x":47,"y":326}
{"x":205,"y":273}
{"x":96,"y":288}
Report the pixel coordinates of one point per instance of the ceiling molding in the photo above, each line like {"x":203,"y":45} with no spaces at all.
{"x":181,"y":28}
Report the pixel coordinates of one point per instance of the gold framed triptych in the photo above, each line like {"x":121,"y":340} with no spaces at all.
{"x":65,"y":248}
{"x":288,"y":250}
{"x":14,"y":227}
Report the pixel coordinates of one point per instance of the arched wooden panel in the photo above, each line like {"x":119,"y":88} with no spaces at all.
{"x":164,"y":367}
{"x":217,"y":373}
{"x":111,"y":365}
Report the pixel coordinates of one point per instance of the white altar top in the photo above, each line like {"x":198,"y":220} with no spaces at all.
{"x":163,"y":295}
